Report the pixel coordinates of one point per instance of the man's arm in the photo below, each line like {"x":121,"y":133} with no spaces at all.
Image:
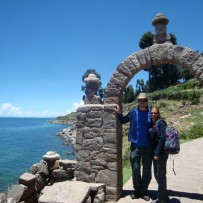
{"x":122,"y":119}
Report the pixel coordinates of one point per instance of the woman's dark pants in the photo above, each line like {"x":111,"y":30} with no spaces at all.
{"x":160,"y":176}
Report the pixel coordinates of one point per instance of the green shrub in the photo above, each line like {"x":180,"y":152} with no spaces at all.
{"x":195,"y":131}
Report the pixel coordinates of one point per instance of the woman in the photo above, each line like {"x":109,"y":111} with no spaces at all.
{"x":158,"y":135}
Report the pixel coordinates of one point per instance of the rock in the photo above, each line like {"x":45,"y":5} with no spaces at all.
{"x":2,"y":198}
{"x":20,"y":192}
{"x":27,"y":179}
{"x":72,"y":192}
{"x":40,"y":182}
{"x":40,"y":168}
{"x":65,"y":192}
{"x":69,"y":135}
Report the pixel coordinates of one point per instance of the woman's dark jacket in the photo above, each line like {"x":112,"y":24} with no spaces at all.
{"x":158,"y":136}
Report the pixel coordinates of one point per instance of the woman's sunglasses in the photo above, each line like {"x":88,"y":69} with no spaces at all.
{"x":153,"y":113}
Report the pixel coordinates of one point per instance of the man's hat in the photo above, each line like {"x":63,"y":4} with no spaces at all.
{"x":142,"y":96}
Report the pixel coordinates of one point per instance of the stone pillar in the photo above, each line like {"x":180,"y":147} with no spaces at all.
{"x":99,"y":148}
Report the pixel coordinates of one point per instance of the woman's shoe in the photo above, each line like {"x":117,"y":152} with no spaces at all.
{"x":145,"y":197}
{"x":158,"y":201}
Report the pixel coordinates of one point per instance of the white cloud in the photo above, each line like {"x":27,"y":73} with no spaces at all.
{"x":9,"y":110}
{"x":75,"y":106}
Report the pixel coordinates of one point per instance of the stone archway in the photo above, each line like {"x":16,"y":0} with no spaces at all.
{"x":99,"y":133}
{"x":157,"y":54}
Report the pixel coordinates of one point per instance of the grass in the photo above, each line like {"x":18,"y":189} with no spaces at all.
{"x":127,"y":173}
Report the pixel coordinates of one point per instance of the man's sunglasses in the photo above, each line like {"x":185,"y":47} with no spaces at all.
{"x":142,"y":100}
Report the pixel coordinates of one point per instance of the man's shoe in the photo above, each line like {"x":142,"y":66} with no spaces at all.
{"x":145,"y":197}
{"x":135,"y":195}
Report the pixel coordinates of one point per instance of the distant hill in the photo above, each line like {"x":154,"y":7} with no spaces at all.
{"x":68,"y":119}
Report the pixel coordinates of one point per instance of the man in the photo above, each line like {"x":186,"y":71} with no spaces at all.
{"x":141,"y":146}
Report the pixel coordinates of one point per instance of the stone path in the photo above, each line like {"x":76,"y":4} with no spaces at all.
{"x":187,"y":185}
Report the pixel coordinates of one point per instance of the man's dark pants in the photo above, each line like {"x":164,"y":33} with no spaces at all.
{"x":140,"y":155}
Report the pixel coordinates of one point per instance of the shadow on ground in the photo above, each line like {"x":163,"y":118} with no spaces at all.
{"x":188,"y":195}
{"x":172,"y":194}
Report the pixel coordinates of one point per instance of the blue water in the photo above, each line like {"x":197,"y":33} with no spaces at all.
{"x":23,"y":142}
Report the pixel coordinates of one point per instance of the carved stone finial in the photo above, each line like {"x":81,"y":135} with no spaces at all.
{"x":51,"y":155}
{"x":92,"y":87}
{"x":160,"y":22}
{"x":92,"y":78}
{"x":160,"y":18}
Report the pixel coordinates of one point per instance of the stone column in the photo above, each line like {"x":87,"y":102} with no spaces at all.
{"x":99,"y":148}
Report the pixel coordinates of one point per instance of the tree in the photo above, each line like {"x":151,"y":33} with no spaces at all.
{"x":160,"y":76}
{"x":141,"y":87}
{"x":129,"y":95}
{"x":146,"y":40}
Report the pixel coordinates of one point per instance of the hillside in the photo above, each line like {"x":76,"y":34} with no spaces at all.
{"x":181,"y":105}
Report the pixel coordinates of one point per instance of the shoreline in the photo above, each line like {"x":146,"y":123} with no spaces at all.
{"x":68,"y":134}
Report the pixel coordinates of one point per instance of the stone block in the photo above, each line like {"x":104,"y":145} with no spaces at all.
{"x":137,"y":66}
{"x":113,"y":99}
{"x":84,"y":166}
{"x":20,"y":192}
{"x":82,"y":176}
{"x":120,"y":80}
{"x":110,"y":138}
{"x":40,"y":182}
{"x":132,"y":67}
{"x":122,"y":68}
{"x":94,"y":144}
{"x":60,"y":175}
{"x":108,"y":177}
{"x":2,"y":198}
{"x":112,"y":166}
{"x":67,"y":164}
{"x":83,"y":155}
{"x":32,"y":199}
{"x":94,"y":122}
{"x":27,"y":179}
{"x":40,"y":168}
{"x":68,"y":191}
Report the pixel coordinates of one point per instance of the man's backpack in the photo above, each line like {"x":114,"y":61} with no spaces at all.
{"x":172,"y":144}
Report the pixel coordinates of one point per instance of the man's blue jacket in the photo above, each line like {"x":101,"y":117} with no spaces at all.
{"x":140,"y":122}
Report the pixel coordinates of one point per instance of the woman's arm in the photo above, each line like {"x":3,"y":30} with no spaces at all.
{"x":161,"y":137}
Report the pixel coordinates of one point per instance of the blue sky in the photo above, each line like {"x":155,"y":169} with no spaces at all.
{"x":47,"y":45}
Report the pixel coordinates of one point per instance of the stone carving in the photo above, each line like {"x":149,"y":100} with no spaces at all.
{"x":160,"y":22}
{"x":92,"y":87}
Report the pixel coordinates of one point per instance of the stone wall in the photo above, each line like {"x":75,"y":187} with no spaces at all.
{"x":99,"y":148}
